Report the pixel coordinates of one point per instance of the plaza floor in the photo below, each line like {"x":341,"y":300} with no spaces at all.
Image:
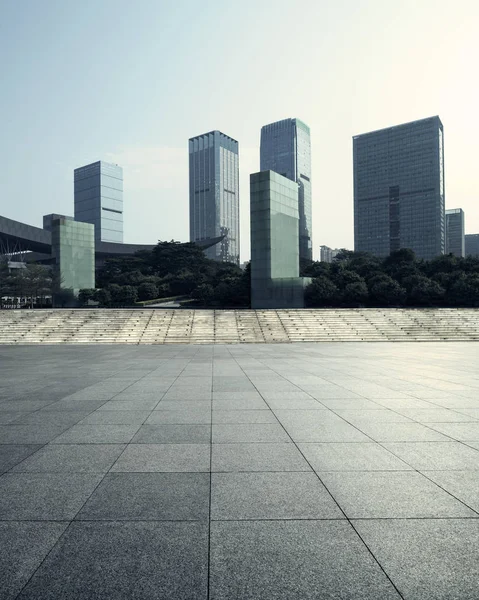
{"x":291,"y":471}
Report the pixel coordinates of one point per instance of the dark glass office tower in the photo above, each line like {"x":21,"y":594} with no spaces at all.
{"x":472,"y":244}
{"x":455,"y":242}
{"x":214,"y":194}
{"x":286,"y":149}
{"x":399,"y":189}
{"x":99,"y":199}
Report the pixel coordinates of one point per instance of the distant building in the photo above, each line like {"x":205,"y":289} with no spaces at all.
{"x":399,"y":189}
{"x":214,"y":194}
{"x":327,"y":254}
{"x":275,"y":281}
{"x":286,"y":149}
{"x":98,"y":198}
{"x":472,"y":244}
{"x":455,"y":242}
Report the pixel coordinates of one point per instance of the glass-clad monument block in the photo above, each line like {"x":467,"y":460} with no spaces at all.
{"x":73,"y":246}
{"x":275,"y":281}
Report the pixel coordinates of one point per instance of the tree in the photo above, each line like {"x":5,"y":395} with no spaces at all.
{"x":322,"y":292}
{"x":426,"y":292}
{"x":128,"y":295}
{"x":384,"y":291}
{"x":104,"y":297}
{"x":147,"y":291}
{"x":465,"y":292}
{"x":84,"y":296}
{"x":355,"y":293}
{"x":173,"y":257}
{"x":204,"y":293}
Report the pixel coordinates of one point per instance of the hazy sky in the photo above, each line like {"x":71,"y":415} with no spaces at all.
{"x":130,"y":81}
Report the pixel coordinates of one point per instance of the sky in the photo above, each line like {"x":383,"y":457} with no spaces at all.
{"x":130,"y":82}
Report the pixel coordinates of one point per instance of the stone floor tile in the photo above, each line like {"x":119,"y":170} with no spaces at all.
{"x":125,"y":560}
{"x":300,"y":560}
{"x":97,"y":434}
{"x":257,"y":457}
{"x":464,"y":485}
{"x":44,"y":496}
{"x":164,"y":458}
{"x":401,"y":432}
{"x":227,"y":433}
{"x":391,"y":495}
{"x":243,"y":416}
{"x":71,"y":458}
{"x":436,"y":455}
{"x":459,"y":431}
{"x":173,"y":434}
{"x":149,"y":496}
{"x":351,"y":457}
{"x":236,"y":496}
{"x":427,"y":558}
{"x":23,"y":546}
{"x":12,"y":454}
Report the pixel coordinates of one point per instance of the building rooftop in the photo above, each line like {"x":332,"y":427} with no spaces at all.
{"x":398,"y":126}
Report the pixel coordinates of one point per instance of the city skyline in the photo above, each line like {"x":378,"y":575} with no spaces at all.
{"x":67,"y":104}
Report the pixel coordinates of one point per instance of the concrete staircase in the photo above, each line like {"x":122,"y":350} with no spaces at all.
{"x":150,"y":326}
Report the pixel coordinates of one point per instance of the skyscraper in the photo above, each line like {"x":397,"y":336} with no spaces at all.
{"x":455,"y":242}
{"x":286,"y":149}
{"x":99,"y":199}
{"x":214,"y":194}
{"x":472,"y":244}
{"x":399,"y":189}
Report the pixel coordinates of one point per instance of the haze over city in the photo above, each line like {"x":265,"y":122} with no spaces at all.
{"x":130,"y":83}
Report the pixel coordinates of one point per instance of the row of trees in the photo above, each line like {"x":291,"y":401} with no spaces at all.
{"x":32,"y":283}
{"x":401,"y":279}
{"x":170,"y":269}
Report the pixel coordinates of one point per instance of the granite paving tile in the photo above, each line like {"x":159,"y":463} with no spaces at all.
{"x":23,"y":546}
{"x":257,"y":457}
{"x":44,"y":496}
{"x":236,"y":496}
{"x":149,"y":496}
{"x":391,"y":495}
{"x":299,"y":560}
{"x":427,"y":558}
{"x":125,"y":560}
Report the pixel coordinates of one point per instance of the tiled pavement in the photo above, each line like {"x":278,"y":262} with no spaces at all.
{"x":298,"y":471}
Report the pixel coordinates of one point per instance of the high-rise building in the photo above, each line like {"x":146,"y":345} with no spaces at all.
{"x":455,"y":242}
{"x":275,"y":281}
{"x":99,"y":199}
{"x":214,"y":194}
{"x":399,"y":189}
{"x":326,"y":254}
{"x":286,"y":149}
{"x":472,"y":244}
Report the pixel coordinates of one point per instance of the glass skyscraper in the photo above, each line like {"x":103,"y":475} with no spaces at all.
{"x":399,"y":189}
{"x":455,"y":242}
{"x":286,"y":149}
{"x":472,"y":244}
{"x":214,"y":194}
{"x":99,"y":199}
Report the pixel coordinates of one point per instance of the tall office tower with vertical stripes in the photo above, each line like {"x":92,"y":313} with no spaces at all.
{"x":286,"y":149}
{"x":98,"y":198}
{"x":214,"y":194}
{"x":399,"y":189}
